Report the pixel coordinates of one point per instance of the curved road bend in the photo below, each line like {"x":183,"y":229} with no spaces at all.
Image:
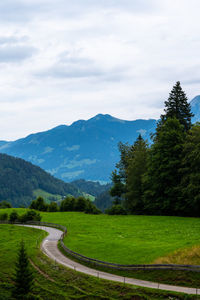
{"x":49,"y":247}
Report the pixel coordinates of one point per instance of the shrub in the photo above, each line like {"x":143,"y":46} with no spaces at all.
{"x":3,"y":217}
{"x":39,"y":204}
{"x":5,"y":204}
{"x":30,"y":215}
{"x":53,"y":207}
{"x":116,"y":210}
{"x":68,"y":204}
{"x":81,"y":204}
{"x":13,"y":216}
{"x":92,"y":209}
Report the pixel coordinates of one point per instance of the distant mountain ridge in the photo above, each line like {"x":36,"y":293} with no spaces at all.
{"x":86,"y":149}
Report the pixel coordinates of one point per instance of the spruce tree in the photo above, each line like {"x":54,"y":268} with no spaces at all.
{"x":189,"y":189}
{"x":23,"y":278}
{"x":163,"y":177}
{"x":118,"y":188}
{"x":135,"y":172}
{"x":125,"y":153}
{"x":177,"y":107}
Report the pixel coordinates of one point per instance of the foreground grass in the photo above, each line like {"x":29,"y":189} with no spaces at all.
{"x":135,"y":239}
{"x":55,"y":282}
{"x":127,"y":239}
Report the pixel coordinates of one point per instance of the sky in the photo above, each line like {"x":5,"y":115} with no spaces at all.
{"x":65,"y":60}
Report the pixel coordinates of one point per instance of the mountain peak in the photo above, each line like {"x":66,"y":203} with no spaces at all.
{"x":195,"y":100}
{"x":101,"y":117}
{"x":106,"y":117}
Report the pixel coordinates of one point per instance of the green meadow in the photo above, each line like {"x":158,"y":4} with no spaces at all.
{"x":52,"y":281}
{"x":130,"y":239}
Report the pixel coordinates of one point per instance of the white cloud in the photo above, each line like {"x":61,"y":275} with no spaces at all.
{"x":65,"y":60}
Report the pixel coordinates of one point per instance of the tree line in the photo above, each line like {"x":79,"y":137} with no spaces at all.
{"x":162,"y":178}
{"x":69,"y":203}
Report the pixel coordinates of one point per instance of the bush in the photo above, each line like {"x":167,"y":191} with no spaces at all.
{"x":39,"y":204}
{"x":5,"y":204}
{"x":116,"y":210}
{"x":30,"y":215}
{"x":68,"y":204}
{"x":13,"y":216}
{"x":53,"y":207}
{"x":81,"y":204}
{"x":3,"y":217}
{"x":92,"y":209}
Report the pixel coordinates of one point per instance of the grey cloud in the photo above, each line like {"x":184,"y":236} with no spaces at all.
{"x":72,"y":67}
{"x":18,"y":10}
{"x":82,"y":71}
{"x":191,"y":81}
{"x":5,"y":40}
{"x":81,"y":67}
{"x":71,"y":71}
{"x":24,"y":11}
{"x":75,"y":7}
{"x":15,"y":53}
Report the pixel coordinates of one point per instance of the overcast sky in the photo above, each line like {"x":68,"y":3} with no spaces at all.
{"x":65,"y":60}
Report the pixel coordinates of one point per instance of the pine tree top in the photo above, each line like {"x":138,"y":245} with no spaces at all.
{"x":177,"y":106}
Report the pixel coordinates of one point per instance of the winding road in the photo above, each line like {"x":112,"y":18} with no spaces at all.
{"x":49,"y":247}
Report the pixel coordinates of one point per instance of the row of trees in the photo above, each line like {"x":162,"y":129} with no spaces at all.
{"x":30,"y":215}
{"x":163,"y":178}
{"x":70,"y":203}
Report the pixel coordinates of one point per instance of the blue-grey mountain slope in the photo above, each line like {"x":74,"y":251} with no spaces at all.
{"x":195,"y":104}
{"x":85,"y":149}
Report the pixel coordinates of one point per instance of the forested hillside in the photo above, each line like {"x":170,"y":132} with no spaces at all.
{"x":20,"y":179}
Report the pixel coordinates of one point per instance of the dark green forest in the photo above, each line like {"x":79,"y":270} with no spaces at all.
{"x":162,"y":178}
{"x":19,"y":179}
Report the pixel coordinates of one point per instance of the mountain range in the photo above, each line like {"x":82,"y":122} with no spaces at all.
{"x":86,"y":149}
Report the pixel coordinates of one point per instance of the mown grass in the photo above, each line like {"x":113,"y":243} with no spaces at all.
{"x":55,"y":282}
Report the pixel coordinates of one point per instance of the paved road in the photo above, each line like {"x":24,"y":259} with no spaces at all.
{"x":49,"y":247}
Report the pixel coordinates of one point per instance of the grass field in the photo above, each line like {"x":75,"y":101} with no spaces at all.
{"x":55,"y":282}
{"x":131,"y":239}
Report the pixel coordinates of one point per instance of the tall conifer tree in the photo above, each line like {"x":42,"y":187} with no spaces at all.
{"x":177,"y":106}
{"x":163,"y":178}
{"x":23,"y":275}
{"x":136,"y":169}
{"x":189,"y":203}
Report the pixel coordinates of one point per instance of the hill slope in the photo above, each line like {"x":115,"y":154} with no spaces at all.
{"x":19,"y":180}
